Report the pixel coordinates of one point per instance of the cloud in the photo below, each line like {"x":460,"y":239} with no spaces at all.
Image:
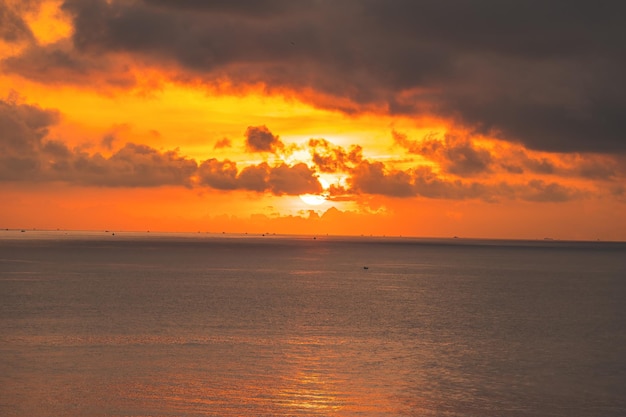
{"x":457,"y":155}
{"x":107,"y":140}
{"x":372,"y":178}
{"x":282,"y":179}
{"x":430,"y":185}
{"x":330,"y":158}
{"x":22,"y":129}
{"x":540,"y":191}
{"x":222,"y":143}
{"x":545,"y":74}
{"x":60,"y":63}
{"x":539,"y":165}
{"x":460,"y":156}
{"x":254,"y":177}
{"x":133,"y":166}
{"x":293,"y":180}
{"x":13,"y":28}
{"x":26,"y":153}
{"x":260,"y":139}
{"x":221,"y":175}
{"x":242,"y":7}
{"x":600,"y":169}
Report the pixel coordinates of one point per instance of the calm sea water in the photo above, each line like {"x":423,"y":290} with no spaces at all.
{"x":186,"y":325}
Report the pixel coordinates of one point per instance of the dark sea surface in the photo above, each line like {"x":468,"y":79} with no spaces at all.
{"x":95,"y":324}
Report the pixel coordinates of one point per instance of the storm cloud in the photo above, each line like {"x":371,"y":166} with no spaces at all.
{"x":544,"y":74}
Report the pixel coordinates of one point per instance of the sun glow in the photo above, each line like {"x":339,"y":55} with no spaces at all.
{"x":313,"y":199}
{"x":317,"y":199}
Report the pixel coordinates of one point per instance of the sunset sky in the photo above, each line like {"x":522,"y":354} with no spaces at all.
{"x":501,"y":119}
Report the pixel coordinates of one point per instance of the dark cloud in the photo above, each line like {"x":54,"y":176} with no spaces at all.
{"x":518,"y":161}
{"x":279,"y":180}
{"x":243,"y":7}
{"x":260,"y":139}
{"x":540,"y":191}
{"x":539,"y":166}
{"x":599,"y":170}
{"x":254,"y":177}
{"x":221,"y":175}
{"x":546,"y":74}
{"x":22,"y":129}
{"x":457,"y":155}
{"x":59,"y":63}
{"x":373,"y":178}
{"x":331,"y":158}
{"x":293,"y":180}
{"x":13,"y":28}
{"x":584,"y":166}
{"x":26,"y":153}
{"x":512,"y":168}
{"x":430,"y":185}
{"x":133,"y":166}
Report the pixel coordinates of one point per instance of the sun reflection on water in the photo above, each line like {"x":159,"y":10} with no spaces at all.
{"x":310,"y":391}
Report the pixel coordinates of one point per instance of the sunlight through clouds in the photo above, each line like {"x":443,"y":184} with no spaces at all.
{"x":387,"y":109}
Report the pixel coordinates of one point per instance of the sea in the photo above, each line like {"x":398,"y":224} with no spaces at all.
{"x":96,"y":324}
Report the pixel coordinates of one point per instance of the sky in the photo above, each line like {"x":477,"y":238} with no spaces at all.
{"x":485,"y":119}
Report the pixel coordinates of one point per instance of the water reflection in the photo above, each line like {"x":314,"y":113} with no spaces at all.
{"x":323,"y":377}
{"x":226,"y":377}
{"x":309,"y":391}
{"x":186,"y":330}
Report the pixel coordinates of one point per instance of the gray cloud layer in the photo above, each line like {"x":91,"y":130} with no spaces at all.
{"x":547,"y":74}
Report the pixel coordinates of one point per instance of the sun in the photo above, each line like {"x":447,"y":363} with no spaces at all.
{"x":313,"y":199}
{"x":317,"y":199}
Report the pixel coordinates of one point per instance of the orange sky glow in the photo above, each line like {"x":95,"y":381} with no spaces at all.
{"x":106,"y":130}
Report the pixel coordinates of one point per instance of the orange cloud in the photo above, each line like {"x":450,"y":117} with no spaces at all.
{"x":222,"y":143}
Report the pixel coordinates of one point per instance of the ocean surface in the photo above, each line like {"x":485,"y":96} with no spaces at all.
{"x":146,"y":324}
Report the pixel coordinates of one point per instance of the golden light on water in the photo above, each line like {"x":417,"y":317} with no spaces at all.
{"x":310,"y":391}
